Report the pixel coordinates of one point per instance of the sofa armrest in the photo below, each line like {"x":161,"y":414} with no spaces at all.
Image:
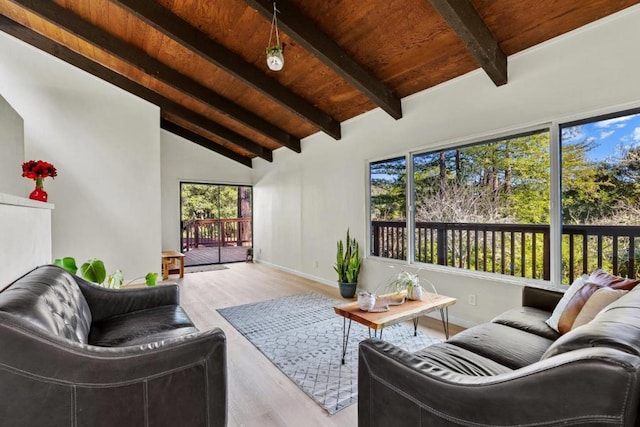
{"x":105,"y":303}
{"x":567,"y":389}
{"x":181,"y":381}
{"x":543,"y":299}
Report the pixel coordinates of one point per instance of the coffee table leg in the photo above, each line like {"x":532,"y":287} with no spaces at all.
{"x":415,"y":327}
{"x":375,"y":333}
{"x":345,"y":336}
{"x":444,"y":314}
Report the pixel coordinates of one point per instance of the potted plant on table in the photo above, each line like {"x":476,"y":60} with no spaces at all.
{"x":410,"y":283}
{"x":347,"y":266}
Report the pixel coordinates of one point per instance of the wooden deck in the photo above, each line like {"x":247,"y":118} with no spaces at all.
{"x":210,"y":255}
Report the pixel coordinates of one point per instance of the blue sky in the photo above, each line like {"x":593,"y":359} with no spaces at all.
{"x":609,"y":136}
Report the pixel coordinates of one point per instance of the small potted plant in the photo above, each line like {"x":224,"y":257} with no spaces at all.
{"x":410,"y":283}
{"x":347,"y":266}
{"x":275,"y":58}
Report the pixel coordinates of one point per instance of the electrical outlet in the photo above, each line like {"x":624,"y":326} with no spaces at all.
{"x":472,"y":299}
{"x":316,"y":263}
{"x":260,"y":251}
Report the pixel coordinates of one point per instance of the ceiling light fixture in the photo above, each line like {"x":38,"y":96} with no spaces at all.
{"x":275,"y":59}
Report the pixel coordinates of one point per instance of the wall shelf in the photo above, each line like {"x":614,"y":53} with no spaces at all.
{"x":10,"y":199}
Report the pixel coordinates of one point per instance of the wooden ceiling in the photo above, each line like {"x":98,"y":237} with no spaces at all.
{"x":203,"y":61}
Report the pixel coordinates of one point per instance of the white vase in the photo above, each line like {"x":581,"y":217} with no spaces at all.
{"x":414,"y":292}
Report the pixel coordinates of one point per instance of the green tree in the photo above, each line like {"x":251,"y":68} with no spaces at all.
{"x":199,"y":201}
{"x":506,"y":180}
{"x":388,"y":190}
{"x":209,"y":201}
{"x":585,"y":184}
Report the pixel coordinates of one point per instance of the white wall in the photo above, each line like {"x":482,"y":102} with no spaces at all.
{"x":105,"y":144}
{"x":304,"y":203}
{"x":25,"y":227}
{"x":11,"y":141}
{"x":185,"y":161}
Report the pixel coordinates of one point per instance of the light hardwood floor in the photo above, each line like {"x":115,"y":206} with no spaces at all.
{"x":259,"y":394}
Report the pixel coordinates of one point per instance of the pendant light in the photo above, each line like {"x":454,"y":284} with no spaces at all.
{"x":275,"y":59}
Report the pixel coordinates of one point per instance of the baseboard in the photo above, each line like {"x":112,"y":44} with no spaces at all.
{"x":435,"y":315}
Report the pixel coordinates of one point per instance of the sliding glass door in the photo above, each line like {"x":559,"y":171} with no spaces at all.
{"x":216,"y":223}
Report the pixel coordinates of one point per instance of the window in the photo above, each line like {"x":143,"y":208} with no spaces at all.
{"x":601,"y":195}
{"x":485,"y":206}
{"x":388,"y":208}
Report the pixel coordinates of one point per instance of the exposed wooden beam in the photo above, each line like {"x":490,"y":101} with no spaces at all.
{"x":173,"y":26}
{"x":51,"y":47}
{"x":474,"y":33}
{"x":176,"y":129}
{"x":204,"y":123}
{"x":135,"y":57}
{"x":306,"y":32}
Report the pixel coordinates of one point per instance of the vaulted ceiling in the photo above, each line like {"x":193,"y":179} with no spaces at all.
{"x":203,"y":61}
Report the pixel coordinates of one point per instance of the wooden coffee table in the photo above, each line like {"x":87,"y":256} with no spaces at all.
{"x":409,"y":310}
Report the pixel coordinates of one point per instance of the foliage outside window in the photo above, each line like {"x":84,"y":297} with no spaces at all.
{"x":601,"y":195}
{"x":485,"y":207}
{"x":214,"y":214}
{"x":388,"y":204}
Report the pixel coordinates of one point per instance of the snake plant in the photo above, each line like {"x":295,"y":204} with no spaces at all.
{"x":348,"y":260}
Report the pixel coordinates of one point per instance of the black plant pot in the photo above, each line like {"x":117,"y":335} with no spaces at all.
{"x":347,"y":290}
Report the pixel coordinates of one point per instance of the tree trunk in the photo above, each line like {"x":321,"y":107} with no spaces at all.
{"x":244,"y":211}
{"x":508,"y":175}
{"x":443,"y":169}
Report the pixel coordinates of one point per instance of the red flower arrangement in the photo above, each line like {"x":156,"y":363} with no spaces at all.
{"x":38,"y":170}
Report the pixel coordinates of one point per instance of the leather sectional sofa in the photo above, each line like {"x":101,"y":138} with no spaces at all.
{"x":76,"y":354}
{"x":512,"y":371}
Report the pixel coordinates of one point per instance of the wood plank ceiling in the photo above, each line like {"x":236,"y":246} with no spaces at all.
{"x":203,"y":61}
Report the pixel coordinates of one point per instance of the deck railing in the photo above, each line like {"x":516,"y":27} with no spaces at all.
{"x":216,"y":232}
{"x":514,"y":249}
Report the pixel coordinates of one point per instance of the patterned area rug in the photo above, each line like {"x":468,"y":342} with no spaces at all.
{"x":302,"y":336}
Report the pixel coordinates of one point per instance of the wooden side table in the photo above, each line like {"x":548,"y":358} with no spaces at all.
{"x":171,"y":258}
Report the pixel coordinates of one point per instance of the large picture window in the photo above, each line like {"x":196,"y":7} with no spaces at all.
{"x":485,"y":207}
{"x":601,"y":195}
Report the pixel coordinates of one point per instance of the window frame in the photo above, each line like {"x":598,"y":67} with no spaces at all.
{"x":369,"y":243}
{"x":577,"y":120}
{"x":532,"y":130}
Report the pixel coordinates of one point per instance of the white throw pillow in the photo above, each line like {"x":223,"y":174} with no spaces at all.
{"x":562,"y":304}
{"x":596,"y":303}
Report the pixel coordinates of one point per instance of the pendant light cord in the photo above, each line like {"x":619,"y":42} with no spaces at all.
{"x":274,"y":24}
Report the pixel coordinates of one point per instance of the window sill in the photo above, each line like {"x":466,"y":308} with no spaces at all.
{"x":486,"y":276}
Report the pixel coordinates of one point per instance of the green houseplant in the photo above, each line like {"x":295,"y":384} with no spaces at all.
{"x":347,"y":266}
{"x":410,"y":283}
{"x":94,"y":271}
{"x":275,"y":58}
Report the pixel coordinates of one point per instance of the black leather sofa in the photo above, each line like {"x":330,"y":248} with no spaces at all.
{"x":76,"y":354}
{"x":512,"y":371}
